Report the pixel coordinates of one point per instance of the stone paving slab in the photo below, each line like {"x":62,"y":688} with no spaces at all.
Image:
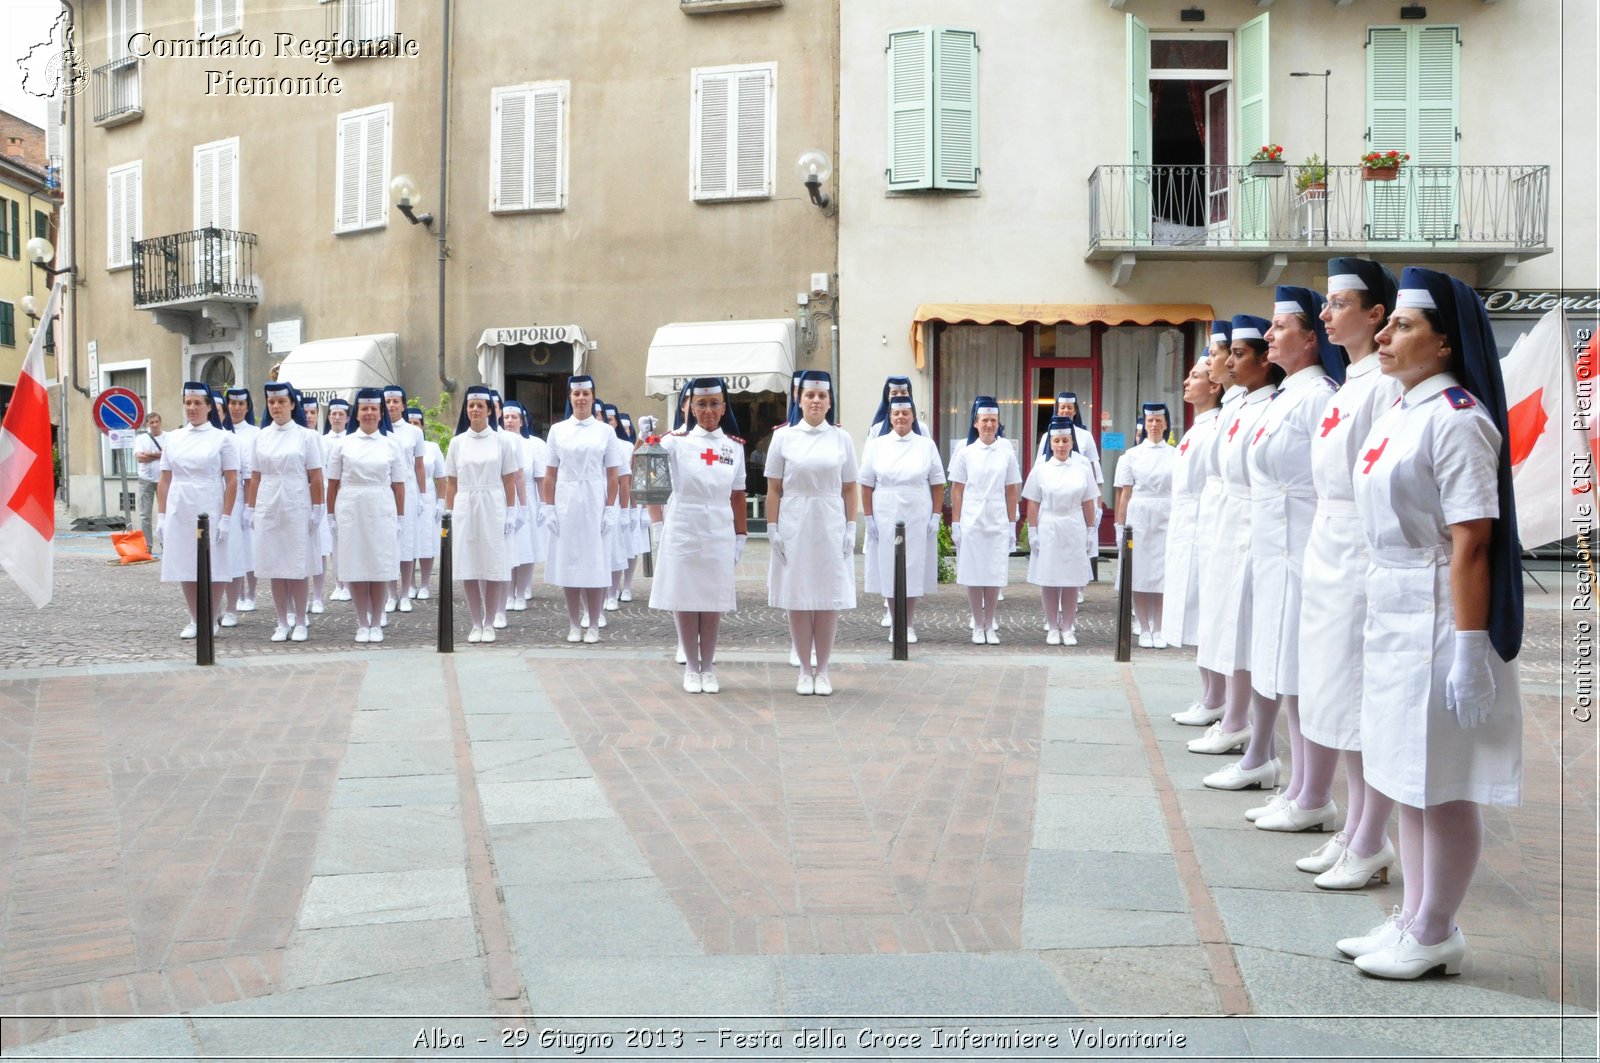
{"x":385,"y":897}
{"x":389,"y":791}
{"x":402,"y":838}
{"x":343,"y":953}
{"x":543,"y":801}
{"x":567,"y":851}
{"x":992,"y":985}
{"x":1128,"y":979}
{"x":622,"y":917}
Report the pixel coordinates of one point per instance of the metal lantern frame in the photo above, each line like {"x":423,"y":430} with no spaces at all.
{"x":652,"y":474}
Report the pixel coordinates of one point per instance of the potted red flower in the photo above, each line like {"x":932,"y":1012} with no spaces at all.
{"x":1382,"y":165}
{"x":1268,"y":162}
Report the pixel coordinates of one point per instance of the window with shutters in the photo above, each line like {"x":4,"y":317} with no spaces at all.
{"x":10,"y":228}
{"x":41,"y":225}
{"x":361,"y":170}
{"x":733,"y":130}
{"x":8,"y":324}
{"x":933,"y":109}
{"x":124,"y":214}
{"x":216,"y":205}
{"x":528,"y":147}
{"x":1413,"y":78}
{"x":215,"y":18}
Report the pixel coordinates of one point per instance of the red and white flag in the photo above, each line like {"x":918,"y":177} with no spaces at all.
{"x":1552,"y":463}
{"x":27,"y":476}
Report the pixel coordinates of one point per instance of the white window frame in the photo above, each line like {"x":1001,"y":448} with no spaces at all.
{"x":1192,"y":73}
{"x":562,"y":90}
{"x":106,"y":461}
{"x":228,"y":16}
{"x":699,"y":76}
{"x":117,"y":47}
{"x":370,"y":213}
{"x":122,"y":258}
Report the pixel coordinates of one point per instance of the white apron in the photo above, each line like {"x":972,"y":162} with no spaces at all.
{"x":241,"y":540}
{"x":1283,"y":503}
{"x":327,"y":531}
{"x":428,"y":508}
{"x":982,"y":555}
{"x":620,"y":458}
{"x":579,"y":553}
{"x":285,"y":546}
{"x":479,"y":462}
{"x":1332,"y":661}
{"x":902,"y":470}
{"x":1225,"y":597}
{"x":813,"y":464}
{"x":1180,"y":606}
{"x":1147,"y":468}
{"x":1059,"y":553}
{"x":197,"y":456}
{"x":1413,"y":749}
{"x":521,"y":541}
{"x":407,"y":439}
{"x":537,"y":454}
{"x":694,"y":573}
{"x":367,"y":467}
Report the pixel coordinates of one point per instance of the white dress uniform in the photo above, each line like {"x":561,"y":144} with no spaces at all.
{"x":521,"y":542}
{"x":1283,"y":504}
{"x":1147,"y":468}
{"x":619,"y":457}
{"x":1180,"y":608}
{"x":1083,"y":446}
{"x":902,"y":470}
{"x":428,"y":511}
{"x":366,"y":467}
{"x":330,"y":441}
{"x":285,"y":455}
{"x":197,"y":456}
{"x":580,"y":452}
{"x":695,"y":573}
{"x":1225,"y":600}
{"x":241,"y":540}
{"x":407,"y":440}
{"x":1332,"y":661}
{"x":986,"y":471}
{"x":538,"y":455}
{"x":814,"y":465}
{"x":1060,"y":554}
{"x":1428,"y":463}
{"x":479,"y":462}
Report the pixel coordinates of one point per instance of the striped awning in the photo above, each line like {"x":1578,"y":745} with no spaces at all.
{"x":1051,"y":314}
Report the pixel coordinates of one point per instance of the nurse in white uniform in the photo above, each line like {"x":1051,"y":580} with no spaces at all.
{"x":240,"y":556}
{"x":242,"y":416}
{"x":285,"y":491}
{"x":894,"y":387}
{"x":1225,"y":611}
{"x":514,"y":424}
{"x":1180,"y":602}
{"x":199,"y":474}
{"x":703,"y":531}
{"x":1061,"y":494}
{"x":579,"y":511}
{"x":1441,"y":708}
{"x":308,"y":412}
{"x":902,"y":479}
{"x":408,"y":439}
{"x":811,"y":525}
{"x":432,"y":506}
{"x":1083,"y":444}
{"x":1144,"y":501}
{"x":366,"y":495}
{"x":636,"y":521}
{"x":984,"y":480}
{"x":482,"y":471}
{"x":1361,"y":295}
{"x":333,"y":431}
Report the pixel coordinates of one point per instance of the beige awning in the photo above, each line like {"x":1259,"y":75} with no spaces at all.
{"x":1052,"y":314}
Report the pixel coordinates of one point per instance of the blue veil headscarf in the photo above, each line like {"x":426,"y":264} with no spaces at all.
{"x":1060,"y":426}
{"x":219,"y":404}
{"x":527,"y":430}
{"x":201,"y":388}
{"x":373,"y":395}
{"x":711,"y":385}
{"x":475,"y":391}
{"x":899,"y":402}
{"x":1292,"y":300}
{"x":578,"y":382}
{"x":813,"y":378}
{"x":882,"y":416}
{"x":1076,"y":420}
{"x":1351,"y":274}
{"x":349,"y":416}
{"x":986,"y":403}
{"x":249,"y":405}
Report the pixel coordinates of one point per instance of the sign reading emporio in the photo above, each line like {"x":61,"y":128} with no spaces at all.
{"x":735,"y":383}
{"x":533,"y":334}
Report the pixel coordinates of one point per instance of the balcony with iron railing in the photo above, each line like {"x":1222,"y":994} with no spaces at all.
{"x":361,"y":27}
{"x":1492,"y":216}
{"x":116,"y":92}
{"x":207,"y":273}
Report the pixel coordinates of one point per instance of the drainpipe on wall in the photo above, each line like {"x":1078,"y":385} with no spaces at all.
{"x":69,"y":313}
{"x":444,"y":187}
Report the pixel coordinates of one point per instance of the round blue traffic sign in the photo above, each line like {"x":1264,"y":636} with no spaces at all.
{"x":118,"y":409}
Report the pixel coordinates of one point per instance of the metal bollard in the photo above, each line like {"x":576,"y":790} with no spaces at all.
{"x":1125,"y":597}
{"x":205,"y":650}
{"x":447,"y":591}
{"x":900,"y":651}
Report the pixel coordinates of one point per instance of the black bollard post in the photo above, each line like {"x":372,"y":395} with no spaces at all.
{"x":900,"y":651}
{"x":649,"y":564}
{"x":205,"y":650}
{"x":1125,"y":596}
{"x":447,"y":591}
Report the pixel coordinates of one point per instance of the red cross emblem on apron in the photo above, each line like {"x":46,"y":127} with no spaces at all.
{"x":1373,"y":455}
{"x":1331,"y":423}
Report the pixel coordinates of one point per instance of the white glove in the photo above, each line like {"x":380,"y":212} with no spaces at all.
{"x":247,"y":519}
{"x":1012,"y":529}
{"x":849,"y":541}
{"x":317,"y":513}
{"x":438,"y":509}
{"x":655,"y":533}
{"x":775,"y":540}
{"x":872,"y":529}
{"x":1122,"y":535}
{"x":224,"y":522}
{"x":1092,"y":545}
{"x":161,"y":520}
{"x":608,"y":521}
{"x":551,"y":524}
{"x":934,"y":520}
{"x":511,"y":522}
{"x":738,"y":547}
{"x":521,"y":517}
{"x":1033,"y":538}
{"x":955,"y":533}
{"x":333,"y":523}
{"x":546,"y":516}
{"x":1469,"y":688}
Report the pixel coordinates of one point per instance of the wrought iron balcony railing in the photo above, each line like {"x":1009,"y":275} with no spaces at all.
{"x":116,"y":91}
{"x":193,"y":266}
{"x":1467,"y":209}
{"x":359,"y":25}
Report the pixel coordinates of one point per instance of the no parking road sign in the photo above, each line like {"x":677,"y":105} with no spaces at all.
{"x":118,"y":410}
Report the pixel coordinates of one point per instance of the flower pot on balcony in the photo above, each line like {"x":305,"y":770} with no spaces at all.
{"x":1267,"y":168}
{"x":1386,"y":173}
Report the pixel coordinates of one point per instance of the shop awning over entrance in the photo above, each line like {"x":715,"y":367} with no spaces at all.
{"x":336,"y":368}
{"x":749,"y":355}
{"x":1052,"y":314}
{"x":494,"y":341}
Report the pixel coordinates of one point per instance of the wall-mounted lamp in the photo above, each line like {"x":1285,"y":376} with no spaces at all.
{"x":30,"y":306}
{"x":1413,"y":10}
{"x":1192,"y":14}
{"x":407,"y":198}
{"x":41,"y":253}
{"x":813,"y":168}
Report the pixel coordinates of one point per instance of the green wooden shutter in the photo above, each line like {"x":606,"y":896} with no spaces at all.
{"x":1434,"y":153}
{"x":5,"y":228}
{"x":1255,"y":193}
{"x":8,"y":336}
{"x":955,"y":102}
{"x":911,"y":108}
{"x":1388,"y":121}
{"x":1139,"y":150}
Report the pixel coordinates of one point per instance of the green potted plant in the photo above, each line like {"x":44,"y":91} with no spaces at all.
{"x":1311,"y":178}
{"x":1268,"y":161}
{"x":1382,"y":165}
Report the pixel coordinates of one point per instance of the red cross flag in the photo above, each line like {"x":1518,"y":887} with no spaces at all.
{"x":1552,"y":465}
{"x":27,"y":481}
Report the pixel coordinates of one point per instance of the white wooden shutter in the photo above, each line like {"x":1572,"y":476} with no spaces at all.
{"x":361,"y":181}
{"x":508,"y":150}
{"x":122,"y":21}
{"x":214,"y":17}
{"x":733,"y":133}
{"x":1434,"y":150}
{"x":375,"y":170}
{"x":753,"y":136}
{"x":528,"y":149}
{"x":1139,"y":138}
{"x":911,"y":108}
{"x":711,"y":143}
{"x":955,"y":120}
{"x":547,"y":148}
{"x":123,"y":209}
{"x":216,"y":184}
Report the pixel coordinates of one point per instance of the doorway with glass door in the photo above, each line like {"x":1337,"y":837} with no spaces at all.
{"x":1190,"y":102}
